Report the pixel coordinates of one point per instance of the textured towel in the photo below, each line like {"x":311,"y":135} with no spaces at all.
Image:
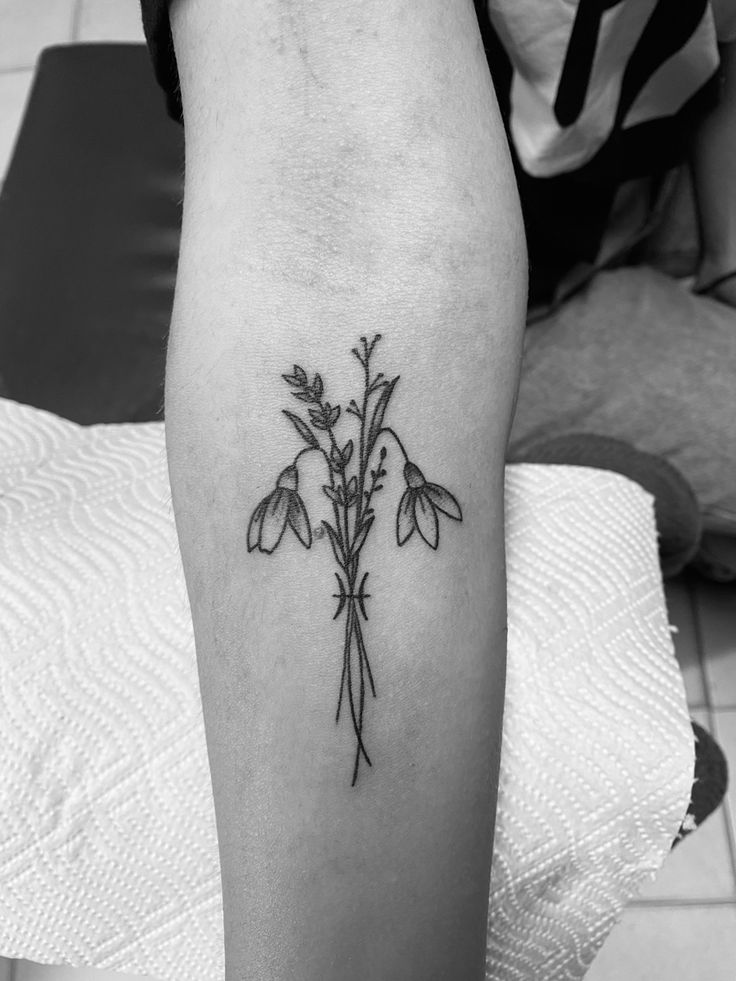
{"x":108,"y":852}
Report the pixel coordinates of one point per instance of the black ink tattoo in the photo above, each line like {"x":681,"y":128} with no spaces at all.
{"x":353,"y":482}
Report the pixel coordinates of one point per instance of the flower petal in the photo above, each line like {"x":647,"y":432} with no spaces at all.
{"x":443,"y":501}
{"x":254,"y":526}
{"x":299,"y":519}
{"x":405,"y":517}
{"x":274,"y":520}
{"x":425,"y":518}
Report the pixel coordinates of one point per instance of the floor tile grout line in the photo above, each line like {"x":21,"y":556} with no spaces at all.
{"x":698,"y":632}
{"x":17,"y":69}
{"x":726,"y":805}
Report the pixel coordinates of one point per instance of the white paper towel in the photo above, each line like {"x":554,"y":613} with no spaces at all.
{"x":108,"y":851}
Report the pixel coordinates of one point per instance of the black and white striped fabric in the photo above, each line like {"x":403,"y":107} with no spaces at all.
{"x":600,"y":99}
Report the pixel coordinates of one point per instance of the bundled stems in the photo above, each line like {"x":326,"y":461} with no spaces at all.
{"x":284,"y":507}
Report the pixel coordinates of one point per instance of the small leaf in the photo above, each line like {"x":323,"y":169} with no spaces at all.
{"x":379,"y":412}
{"x":303,"y":396}
{"x":292,"y":380}
{"x":317,"y":387}
{"x":302,"y":428}
{"x":336,"y":460}
{"x":341,"y":598}
{"x":361,"y":536}
{"x":362,"y":597}
{"x":335,"y":542}
{"x":347,"y":452}
{"x":334,"y":495}
{"x":334,"y":415}
{"x":352,"y":491}
{"x":301,"y":374}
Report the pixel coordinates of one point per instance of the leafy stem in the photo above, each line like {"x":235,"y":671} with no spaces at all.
{"x":345,"y":505}
{"x":366,"y":394}
{"x":375,"y":478}
{"x":342,"y":542}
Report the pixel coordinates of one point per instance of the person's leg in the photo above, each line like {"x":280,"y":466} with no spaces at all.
{"x":346,"y":175}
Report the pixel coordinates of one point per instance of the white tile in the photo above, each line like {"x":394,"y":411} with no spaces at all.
{"x":14,"y":88}
{"x":680,"y":611}
{"x":110,"y":20}
{"x":29,"y":25}
{"x":724,"y":725}
{"x":31,"y":971}
{"x":665,"y":944}
{"x":700,"y":866}
{"x":716,"y":610}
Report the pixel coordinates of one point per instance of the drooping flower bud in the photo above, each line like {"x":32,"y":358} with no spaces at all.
{"x":413,"y":476}
{"x":289,"y":478}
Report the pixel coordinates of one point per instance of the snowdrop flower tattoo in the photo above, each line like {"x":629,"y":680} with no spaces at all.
{"x":355,"y":470}
{"x":282,"y":506}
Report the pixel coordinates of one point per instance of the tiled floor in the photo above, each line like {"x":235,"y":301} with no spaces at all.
{"x":683,"y":927}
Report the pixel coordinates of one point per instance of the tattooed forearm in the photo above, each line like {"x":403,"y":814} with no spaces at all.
{"x":354,"y":479}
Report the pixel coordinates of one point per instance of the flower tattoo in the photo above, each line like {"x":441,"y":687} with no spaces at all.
{"x":282,"y":506}
{"x":355,"y":471}
{"x":419,"y":506}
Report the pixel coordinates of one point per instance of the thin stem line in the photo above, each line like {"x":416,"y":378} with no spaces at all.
{"x":362,"y":680}
{"x":361,"y":747}
{"x":360,"y":664}
{"x":342,"y":679}
{"x":360,"y":713}
{"x":363,"y":463}
{"x":308,"y":449}
{"x":359,"y":636}
{"x":390,"y":432}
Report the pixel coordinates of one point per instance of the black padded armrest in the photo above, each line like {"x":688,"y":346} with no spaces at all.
{"x":89,"y":237}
